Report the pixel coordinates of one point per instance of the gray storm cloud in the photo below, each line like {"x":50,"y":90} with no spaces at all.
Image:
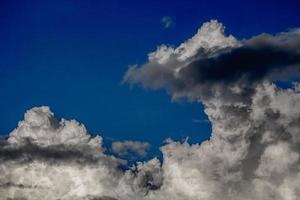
{"x":253,"y":152}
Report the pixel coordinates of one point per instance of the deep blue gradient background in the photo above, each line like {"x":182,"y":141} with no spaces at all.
{"x":71,"y":55}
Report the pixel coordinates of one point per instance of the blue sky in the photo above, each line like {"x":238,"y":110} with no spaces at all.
{"x":71,"y":55}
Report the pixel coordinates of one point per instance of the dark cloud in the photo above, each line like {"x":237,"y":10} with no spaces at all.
{"x":58,"y":153}
{"x":246,"y":63}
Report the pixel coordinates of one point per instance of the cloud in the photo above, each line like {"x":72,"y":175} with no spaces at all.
{"x":210,"y":58}
{"x":126,"y":148}
{"x":167,"y":22}
{"x":253,"y":152}
{"x":47,"y":158}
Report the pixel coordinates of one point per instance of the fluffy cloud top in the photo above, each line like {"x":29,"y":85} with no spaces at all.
{"x":253,"y":152}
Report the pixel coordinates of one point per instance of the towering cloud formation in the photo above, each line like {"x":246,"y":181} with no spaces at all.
{"x":253,"y":153}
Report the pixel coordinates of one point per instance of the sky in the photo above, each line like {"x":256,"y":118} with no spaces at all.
{"x":149,"y":100}
{"x":72,"y":56}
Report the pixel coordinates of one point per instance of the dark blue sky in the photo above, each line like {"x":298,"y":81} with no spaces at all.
{"x":72,"y":55}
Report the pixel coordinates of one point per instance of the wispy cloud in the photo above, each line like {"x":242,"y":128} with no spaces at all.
{"x":167,"y":22}
{"x":127,"y":148}
{"x":201,"y":121}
